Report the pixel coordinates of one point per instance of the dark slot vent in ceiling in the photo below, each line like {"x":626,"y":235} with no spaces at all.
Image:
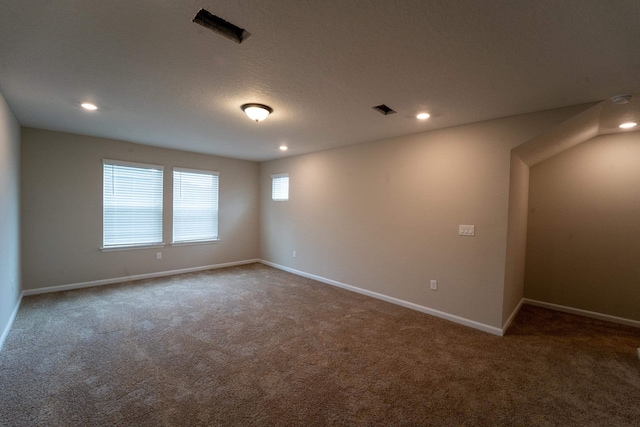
{"x":220,"y":26}
{"x":383,"y":109}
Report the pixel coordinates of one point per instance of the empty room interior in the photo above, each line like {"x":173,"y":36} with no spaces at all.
{"x":431,"y":220}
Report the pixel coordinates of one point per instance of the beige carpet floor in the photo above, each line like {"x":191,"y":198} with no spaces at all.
{"x":255,"y":346}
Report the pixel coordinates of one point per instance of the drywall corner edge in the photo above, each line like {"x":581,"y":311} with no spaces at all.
{"x":568,"y":134}
{"x":512,"y":317}
{"x":517,"y":219}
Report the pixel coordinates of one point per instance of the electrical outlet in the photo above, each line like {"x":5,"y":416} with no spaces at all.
{"x":158,"y":255}
{"x":434,"y":285}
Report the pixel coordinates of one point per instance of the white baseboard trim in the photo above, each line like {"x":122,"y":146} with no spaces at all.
{"x":93,"y":283}
{"x":513,"y":316}
{"x":585,"y":313}
{"x":437,"y":313}
{"x":7,"y":328}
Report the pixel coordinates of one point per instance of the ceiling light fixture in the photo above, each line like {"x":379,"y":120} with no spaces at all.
{"x":283,"y":148}
{"x":257,"y":112}
{"x":423,"y":116}
{"x":88,"y":106}
{"x":628,"y":125}
{"x":621,"y":99}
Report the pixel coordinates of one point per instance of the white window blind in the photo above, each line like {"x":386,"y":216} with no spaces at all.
{"x":280,"y":186}
{"x":195,"y":205}
{"x":132,"y":204}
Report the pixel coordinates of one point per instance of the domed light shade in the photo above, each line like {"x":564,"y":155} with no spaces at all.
{"x":257,"y":112}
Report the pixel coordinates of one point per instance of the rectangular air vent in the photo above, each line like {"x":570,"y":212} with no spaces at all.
{"x":220,"y":26}
{"x":383,"y":109}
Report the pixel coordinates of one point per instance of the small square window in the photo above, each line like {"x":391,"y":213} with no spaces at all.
{"x":280,"y":187}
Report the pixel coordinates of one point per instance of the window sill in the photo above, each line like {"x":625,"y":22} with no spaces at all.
{"x":130,"y":248}
{"x":195,"y":242}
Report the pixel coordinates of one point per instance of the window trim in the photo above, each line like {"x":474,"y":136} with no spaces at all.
{"x":130,"y":247}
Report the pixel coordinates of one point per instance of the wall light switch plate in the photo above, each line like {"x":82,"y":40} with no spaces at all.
{"x":466,"y":230}
{"x":434,"y":285}
{"x":158,"y":255}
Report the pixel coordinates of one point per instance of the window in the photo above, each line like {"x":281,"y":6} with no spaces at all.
{"x":280,"y":187}
{"x":132,"y":204}
{"x":195,"y":205}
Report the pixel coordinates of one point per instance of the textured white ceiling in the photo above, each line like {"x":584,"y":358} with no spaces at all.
{"x":162,"y":80}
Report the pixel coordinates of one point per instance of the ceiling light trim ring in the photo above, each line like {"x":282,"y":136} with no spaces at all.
{"x":255,"y":111}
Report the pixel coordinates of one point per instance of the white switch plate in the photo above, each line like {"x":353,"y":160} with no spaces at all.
{"x":158,"y":255}
{"x":466,"y":230}
{"x":434,"y":285}
{"x":295,"y":254}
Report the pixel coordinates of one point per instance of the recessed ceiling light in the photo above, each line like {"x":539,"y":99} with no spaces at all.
{"x":628,"y":125}
{"x":89,"y":106}
{"x":283,"y":148}
{"x":257,"y":112}
{"x":423,"y":116}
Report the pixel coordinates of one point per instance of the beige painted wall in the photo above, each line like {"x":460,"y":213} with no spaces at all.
{"x":583,"y":242}
{"x":9,"y":214}
{"x":383,"y":216}
{"x":61,"y":180}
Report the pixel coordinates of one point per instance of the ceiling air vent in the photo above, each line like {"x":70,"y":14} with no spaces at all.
{"x":383,"y":109}
{"x":220,"y":26}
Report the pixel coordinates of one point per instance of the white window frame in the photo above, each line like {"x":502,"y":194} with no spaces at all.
{"x":190,"y":220}
{"x":150,"y":193}
{"x":280,"y":186}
